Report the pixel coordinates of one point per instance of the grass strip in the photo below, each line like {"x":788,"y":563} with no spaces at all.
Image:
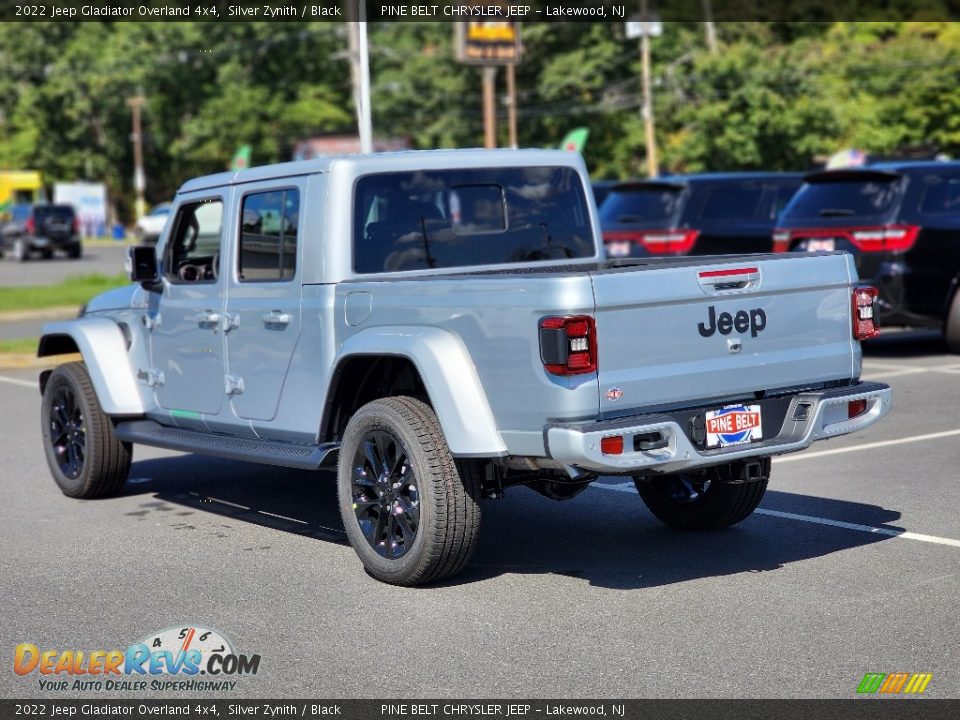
{"x":74,"y":290}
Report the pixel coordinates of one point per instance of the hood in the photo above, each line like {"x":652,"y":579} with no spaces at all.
{"x":117,"y":299}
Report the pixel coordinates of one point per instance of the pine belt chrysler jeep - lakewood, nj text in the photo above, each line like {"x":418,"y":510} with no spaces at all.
{"x":440,"y":326}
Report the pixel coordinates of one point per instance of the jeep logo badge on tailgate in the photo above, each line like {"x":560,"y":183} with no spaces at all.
{"x":755,"y":321}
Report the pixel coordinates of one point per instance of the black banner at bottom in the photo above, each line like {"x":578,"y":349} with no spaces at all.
{"x":858,"y":709}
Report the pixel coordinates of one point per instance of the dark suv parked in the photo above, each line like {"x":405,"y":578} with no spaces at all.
{"x":902,"y":222}
{"x":42,"y":229}
{"x":707,"y":214}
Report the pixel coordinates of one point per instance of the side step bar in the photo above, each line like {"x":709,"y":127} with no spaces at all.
{"x":270,"y":452}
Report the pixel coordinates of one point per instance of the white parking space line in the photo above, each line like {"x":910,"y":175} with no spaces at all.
{"x":873,"y":369}
{"x":22,"y":383}
{"x":628,"y":487}
{"x":867,"y":446}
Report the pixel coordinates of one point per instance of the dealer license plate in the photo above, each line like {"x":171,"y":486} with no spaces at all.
{"x":733,"y":425}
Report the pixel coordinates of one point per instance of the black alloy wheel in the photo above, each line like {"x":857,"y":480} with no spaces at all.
{"x":386,"y":500}
{"x":68,"y":432}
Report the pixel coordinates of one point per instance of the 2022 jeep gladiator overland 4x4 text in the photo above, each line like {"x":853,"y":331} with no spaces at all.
{"x":441,"y":325}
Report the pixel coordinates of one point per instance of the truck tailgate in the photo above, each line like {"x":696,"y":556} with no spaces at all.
{"x":722,"y":328}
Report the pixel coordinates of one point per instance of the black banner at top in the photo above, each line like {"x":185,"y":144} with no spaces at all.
{"x":524,"y":11}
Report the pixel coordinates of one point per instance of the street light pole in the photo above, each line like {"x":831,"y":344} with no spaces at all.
{"x":139,"y":179}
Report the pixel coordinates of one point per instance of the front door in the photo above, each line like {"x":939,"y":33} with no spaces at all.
{"x":187,"y":344}
{"x":263,"y":303}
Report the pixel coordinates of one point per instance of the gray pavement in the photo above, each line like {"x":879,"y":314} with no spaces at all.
{"x":100,"y":258}
{"x":590,"y":598}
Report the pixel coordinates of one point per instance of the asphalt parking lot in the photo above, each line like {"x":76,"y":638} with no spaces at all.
{"x":102,"y":258}
{"x":851,"y":565}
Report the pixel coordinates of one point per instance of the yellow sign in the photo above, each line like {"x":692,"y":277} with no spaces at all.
{"x":488,"y":43}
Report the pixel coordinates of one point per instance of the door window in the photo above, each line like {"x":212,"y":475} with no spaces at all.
{"x":268,"y":236}
{"x":193,"y":254}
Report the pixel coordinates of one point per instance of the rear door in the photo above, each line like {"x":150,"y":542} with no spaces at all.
{"x":263,"y":297}
{"x":680,"y":332}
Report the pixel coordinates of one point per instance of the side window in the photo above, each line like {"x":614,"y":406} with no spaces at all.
{"x":268,"y":236}
{"x":193,"y":252}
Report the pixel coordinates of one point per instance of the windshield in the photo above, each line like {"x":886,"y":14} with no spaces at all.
{"x":848,"y":202}
{"x":457,"y":218}
{"x":643,"y":206}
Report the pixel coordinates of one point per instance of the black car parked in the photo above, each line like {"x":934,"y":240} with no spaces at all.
{"x":42,"y":229}
{"x":706,"y":214}
{"x":902,"y":222}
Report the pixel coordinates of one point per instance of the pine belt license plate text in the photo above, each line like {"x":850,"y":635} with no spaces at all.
{"x":733,"y":425}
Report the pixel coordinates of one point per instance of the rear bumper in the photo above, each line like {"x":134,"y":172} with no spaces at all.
{"x":825,"y":417}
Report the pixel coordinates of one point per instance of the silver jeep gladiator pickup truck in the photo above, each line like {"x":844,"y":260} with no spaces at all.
{"x":440,"y":326}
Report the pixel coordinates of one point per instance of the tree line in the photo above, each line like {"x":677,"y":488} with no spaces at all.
{"x":772,"y":96}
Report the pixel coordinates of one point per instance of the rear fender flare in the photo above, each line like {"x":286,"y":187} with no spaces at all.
{"x":104,"y":349}
{"x":449,"y":376}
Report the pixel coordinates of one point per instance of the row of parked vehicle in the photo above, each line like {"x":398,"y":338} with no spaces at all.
{"x":900,"y":221}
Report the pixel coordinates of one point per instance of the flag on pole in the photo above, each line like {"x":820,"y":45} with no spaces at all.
{"x":575,"y":140}
{"x":241,"y":159}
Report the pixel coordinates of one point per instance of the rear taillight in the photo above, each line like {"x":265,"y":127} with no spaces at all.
{"x":866,"y":324}
{"x":657,"y":242}
{"x":880,"y":238}
{"x":568,"y":345}
{"x":781,"y":240}
{"x":888,"y":237}
{"x":30,"y":225}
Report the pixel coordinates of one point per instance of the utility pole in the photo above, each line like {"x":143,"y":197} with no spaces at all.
{"x":512,"y":104}
{"x":709,"y":27}
{"x":653,"y":169}
{"x":360,"y":75}
{"x":489,"y":107}
{"x":139,"y":179}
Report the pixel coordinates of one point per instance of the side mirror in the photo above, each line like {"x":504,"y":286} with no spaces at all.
{"x":142,"y":266}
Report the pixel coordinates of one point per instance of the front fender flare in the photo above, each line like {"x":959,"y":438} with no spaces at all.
{"x":104,"y":350}
{"x":450,"y":378}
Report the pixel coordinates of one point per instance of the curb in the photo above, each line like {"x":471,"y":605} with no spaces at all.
{"x":60,"y":312}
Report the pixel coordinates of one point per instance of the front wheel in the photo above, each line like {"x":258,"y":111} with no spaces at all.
{"x":703,"y":500}
{"x":85,"y":457}
{"x":410,"y":513}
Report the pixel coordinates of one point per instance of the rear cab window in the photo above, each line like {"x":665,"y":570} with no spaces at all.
{"x":459,"y":218}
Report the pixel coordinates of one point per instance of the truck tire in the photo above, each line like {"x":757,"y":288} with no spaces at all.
{"x":702,"y":501}
{"x":951,"y":327}
{"x":84,"y":455}
{"x":75,"y":251}
{"x":410,"y":513}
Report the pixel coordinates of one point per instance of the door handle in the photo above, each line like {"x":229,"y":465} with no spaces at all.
{"x":208,"y":318}
{"x":276,"y":319}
